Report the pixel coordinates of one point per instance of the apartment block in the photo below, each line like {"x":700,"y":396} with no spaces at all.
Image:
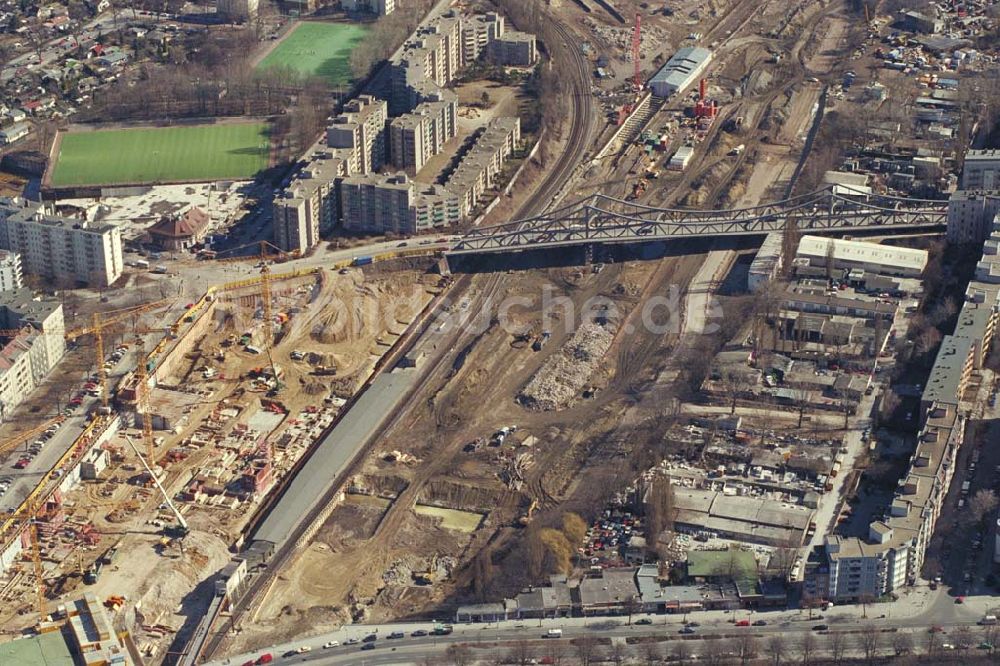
{"x":418,"y":136}
{"x":374,"y":203}
{"x":64,"y":250}
{"x":480,"y":167}
{"x":360,"y":130}
{"x":10,"y":271}
{"x":514,"y":49}
{"x":971,"y":214}
{"x":377,"y":7}
{"x":981,"y":170}
{"x":310,"y":206}
{"x":237,"y":10}
{"x":428,"y":60}
{"x":27,"y":358}
{"x":478,"y":32}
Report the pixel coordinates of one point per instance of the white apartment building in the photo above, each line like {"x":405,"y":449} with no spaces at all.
{"x":981,"y":170}
{"x":65,"y":250}
{"x":478,"y":31}
{"x":360,"y":129}
{"x":971,"y":214}
{"x":514,"y":49}
{"x":309,"y":206}
{"x":10,"y":271}
{"x":416,"y":137}
{"x":479,"y":168}
{"x":28,"y":357}
{"x":375,"y":203}
{"x":377,"y":7}
{"x":237,"y":10}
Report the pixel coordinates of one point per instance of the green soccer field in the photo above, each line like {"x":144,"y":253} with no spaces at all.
{"x":318,"y":49}
{"x":164,"y":154}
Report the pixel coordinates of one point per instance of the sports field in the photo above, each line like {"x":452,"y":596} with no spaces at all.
{"x":235,"y":150}
{"x":318,"y":49}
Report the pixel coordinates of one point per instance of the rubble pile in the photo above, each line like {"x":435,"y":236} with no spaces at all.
{"x":560,"y":380}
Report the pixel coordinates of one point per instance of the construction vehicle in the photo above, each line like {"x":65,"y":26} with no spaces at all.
{"x":427,"y":577}
{"x":525,"y":519}
{"x":179,"y":530}
{"x":265,"y":284}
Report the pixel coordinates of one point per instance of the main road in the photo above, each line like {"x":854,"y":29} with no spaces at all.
{"x":916,"y":613}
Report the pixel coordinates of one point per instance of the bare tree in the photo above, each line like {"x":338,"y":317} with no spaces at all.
{"x":933,"y":643}
{"x":982,"y":505}
{"x":776,"y":649}
{"x":807,"y":649}
{"x":868,"y":642}
{"x":902,"y":643}
{"x":459,"y":655}
{"x":837,"y":646}
{"x":521,"y":653}
{"x":962,"y":638}
{"x":659,"y":509}
{"x":586,"y":649}
{"x":714,"y":651}
{"x":733,"y":385}
{"x":990,"y":633}
{"x":651,"y":653}
{"x":680,"y":652}
{"x":618,"y":653}
{"x":746,"y":648}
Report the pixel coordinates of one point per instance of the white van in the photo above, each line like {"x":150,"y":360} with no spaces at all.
{"x":988,"y":619}
{"x":553,"y":633}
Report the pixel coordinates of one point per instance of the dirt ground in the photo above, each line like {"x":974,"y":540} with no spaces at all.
{"x":343,"y":321}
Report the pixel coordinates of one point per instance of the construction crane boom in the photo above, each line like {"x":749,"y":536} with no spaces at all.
{"x":23,"y":437}
{"x":177,"y":514}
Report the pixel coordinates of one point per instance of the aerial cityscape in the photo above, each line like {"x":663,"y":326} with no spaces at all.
{"x":469,"y":332}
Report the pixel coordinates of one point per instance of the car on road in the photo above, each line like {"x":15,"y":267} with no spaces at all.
{"x":352,"y":641}
{"x":370,"y":638}
{"x":760,"y":623}
{"x":368,"y":646}
{"x":959,"y":600}
{"x":418,"y":633}
{"x":644,"y":620}
{"x":686,"y":630}
{"x":821,"y":627}
{"x":743,"y":623}
{"x":330,"y":644}
{"x":397,"y":634}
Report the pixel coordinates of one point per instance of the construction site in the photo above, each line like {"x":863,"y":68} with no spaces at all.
{"x":511,"y":419}
{"x":217,"y":412}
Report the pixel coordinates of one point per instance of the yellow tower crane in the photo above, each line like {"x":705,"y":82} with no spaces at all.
{"x":102,"y":320}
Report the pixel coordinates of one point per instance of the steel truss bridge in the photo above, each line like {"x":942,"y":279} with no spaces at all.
{"x":603,"y":219}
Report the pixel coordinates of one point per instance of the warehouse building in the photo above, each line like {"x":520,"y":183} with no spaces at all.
{"x":870,"y":257}
{"x":684,"y":68}
{"x":741,"y":518}
{"x":67,"y":251}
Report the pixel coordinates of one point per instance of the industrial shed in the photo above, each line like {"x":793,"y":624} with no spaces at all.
{"x":683,"y":69}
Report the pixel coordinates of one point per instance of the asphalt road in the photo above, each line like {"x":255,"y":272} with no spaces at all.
{"x":915,"y":614}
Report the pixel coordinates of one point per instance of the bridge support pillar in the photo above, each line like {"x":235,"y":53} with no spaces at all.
{"x":588,"y":254}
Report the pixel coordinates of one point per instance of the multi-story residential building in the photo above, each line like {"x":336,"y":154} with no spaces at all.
{"x":428,"y":60}
{"x":10,"y":271}
{"x":396,"y":204}
{"x":514,"y":49}
{"x":479,"y":168}
{"x":237,"y":10}
{"x":26,"y":358}
{"x":310,"y":205}
{"x":360,"y":129}
{"x":377,"y":7}
{"x":417,"y":136}
{"x":478,"y":31}
{"x":65,"y":250}
{"x":950,"y":373}
{"x":971,"y":214}
{"x":981,"y":170}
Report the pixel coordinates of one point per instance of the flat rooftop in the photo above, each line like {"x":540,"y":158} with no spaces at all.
{"x":44,"y":650}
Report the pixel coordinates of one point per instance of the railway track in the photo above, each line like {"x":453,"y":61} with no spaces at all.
{"x":546,"y":192}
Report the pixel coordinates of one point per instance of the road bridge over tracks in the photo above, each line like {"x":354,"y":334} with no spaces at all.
{"x":600,"y":219}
